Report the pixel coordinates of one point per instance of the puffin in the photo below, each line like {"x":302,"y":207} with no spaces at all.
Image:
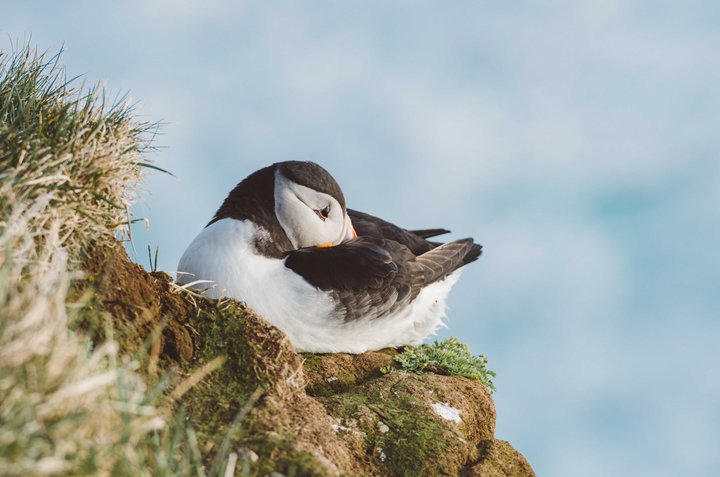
{"x":331,"y":278}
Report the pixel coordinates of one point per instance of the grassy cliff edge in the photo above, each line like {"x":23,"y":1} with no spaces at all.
{"x":106,"y":369}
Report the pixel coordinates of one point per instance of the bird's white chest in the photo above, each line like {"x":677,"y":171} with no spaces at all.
{"x":224,"y":254}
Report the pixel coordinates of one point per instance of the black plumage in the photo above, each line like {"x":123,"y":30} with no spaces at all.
{"x":357,"y":264}
{"x":428,"y":233}
{"x":383,"y":269}
{"x":367,"y":225}
{"x":254,"y":199}
{"x":332,"y":279}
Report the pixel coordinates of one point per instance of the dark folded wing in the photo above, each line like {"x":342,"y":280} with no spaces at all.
{"x":370,"y":278}
{"x":440,"y":262}
{"x":428,"y":233}
{"x":357,"y":264}
{"x":367,"y":225}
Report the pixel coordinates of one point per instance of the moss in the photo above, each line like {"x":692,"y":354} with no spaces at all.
{"x":252,"y":349}
{"x":413,"y":442}
{"x":215,"y":402}
{"x":416,"y":442}
{"x":446,"y":357}
{"x":277,"y":453}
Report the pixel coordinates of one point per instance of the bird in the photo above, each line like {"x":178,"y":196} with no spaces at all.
{"x":332,"y":279}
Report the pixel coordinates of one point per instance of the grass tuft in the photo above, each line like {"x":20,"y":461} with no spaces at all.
{"x":446,"y":357}
{"x":70,"y":145}
{"x":70,"y":162}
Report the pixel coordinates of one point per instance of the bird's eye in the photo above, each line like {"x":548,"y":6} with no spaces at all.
{"x":323,"y":213}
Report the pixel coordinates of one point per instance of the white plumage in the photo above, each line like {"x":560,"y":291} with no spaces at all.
{"x":223,"y":253}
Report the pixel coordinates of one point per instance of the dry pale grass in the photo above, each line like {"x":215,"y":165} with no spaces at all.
{"x":67,"y":145}
{"x":64,"y":409}
{"x":69,"y":167}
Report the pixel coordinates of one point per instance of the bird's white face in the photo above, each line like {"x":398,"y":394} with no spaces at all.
{"x":308,"y":217}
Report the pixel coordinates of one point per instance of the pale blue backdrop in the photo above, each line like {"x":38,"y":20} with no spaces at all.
{"x":578,"y":141}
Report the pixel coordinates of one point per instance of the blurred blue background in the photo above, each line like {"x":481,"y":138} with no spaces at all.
{"x":578,"y":141}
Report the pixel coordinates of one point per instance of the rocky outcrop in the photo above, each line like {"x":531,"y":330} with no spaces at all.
{"x":296,"y":414}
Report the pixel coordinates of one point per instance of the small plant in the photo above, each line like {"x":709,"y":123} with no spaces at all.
{"x":153,"y":263}
{"x":446,"y":357}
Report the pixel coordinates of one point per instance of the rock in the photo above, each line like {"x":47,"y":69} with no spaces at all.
{"x":499,"y":459}
{"x":328,"y":414}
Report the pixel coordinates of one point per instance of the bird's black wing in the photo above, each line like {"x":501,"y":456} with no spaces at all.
{"x":357,"y":264}
{"x":441,"y":261}
{"x":428,"y":233}
{"x":367,"y":225}
{"x":372,"y":278}
{"x":413,"y":274}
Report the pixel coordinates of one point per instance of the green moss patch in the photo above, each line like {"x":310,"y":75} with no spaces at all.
{"x":446,"y":357}
{"x":278,"y":453}
{"x":214,"y":402}
{"x":396,"y":430}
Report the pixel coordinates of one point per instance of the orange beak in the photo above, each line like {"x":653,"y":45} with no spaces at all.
{"x":329,"y":244}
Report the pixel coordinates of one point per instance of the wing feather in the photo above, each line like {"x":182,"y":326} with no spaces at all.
{"x":353,"y":265}
{"x":381,"y":270}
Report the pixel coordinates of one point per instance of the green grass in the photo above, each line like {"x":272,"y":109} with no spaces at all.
{"x":68,"y":147}
{"x":70,"y":165}
{"x":446,"y":357}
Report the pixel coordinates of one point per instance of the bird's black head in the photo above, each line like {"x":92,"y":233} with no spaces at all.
{"x":298,"y":204}
{"x":313,"y":176}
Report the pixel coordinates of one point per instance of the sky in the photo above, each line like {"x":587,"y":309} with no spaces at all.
{"x":576,"y":140}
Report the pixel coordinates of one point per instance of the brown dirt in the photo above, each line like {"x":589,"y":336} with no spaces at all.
{"x":331,"y":414}
{"x":328,"y":374}
{"x":139,"y":302}
{"x":499,"y":459}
